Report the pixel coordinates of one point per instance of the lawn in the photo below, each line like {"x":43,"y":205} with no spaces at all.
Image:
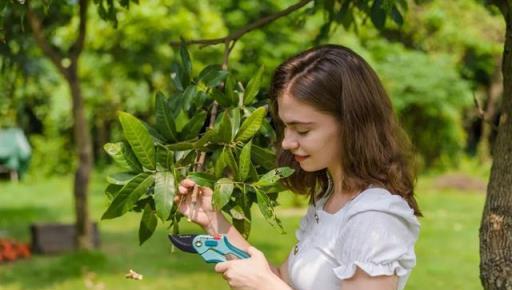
{"x":447,"y":249}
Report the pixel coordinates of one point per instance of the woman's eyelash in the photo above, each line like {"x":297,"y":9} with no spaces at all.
{"x":303,"y":133}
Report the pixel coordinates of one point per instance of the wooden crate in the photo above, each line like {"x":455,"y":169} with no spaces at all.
{"x":57,"y":238}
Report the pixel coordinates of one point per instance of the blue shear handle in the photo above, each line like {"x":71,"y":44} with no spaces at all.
{"x":216,"y":250}
{"x":234,"y":250}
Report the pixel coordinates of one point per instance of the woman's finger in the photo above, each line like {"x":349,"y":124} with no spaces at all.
{"x":187,"y":182}
{"x":205,"y":190}
{"x":182,"y":189}
{"x":221,"y":267}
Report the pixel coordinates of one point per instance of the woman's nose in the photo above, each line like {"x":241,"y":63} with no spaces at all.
{"x":288,"y":143}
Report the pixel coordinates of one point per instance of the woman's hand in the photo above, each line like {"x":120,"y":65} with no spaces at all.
{"x":202,"y":213}
{"x":253,"y":273}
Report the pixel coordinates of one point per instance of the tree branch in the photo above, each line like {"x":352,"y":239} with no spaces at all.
{"x":241,"y":31}
{"x":78,"y":46}
{"x":37,"y":31}
{"x":483,"y":114}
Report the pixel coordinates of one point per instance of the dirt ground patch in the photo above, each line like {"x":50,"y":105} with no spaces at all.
{"x":460,"y":181}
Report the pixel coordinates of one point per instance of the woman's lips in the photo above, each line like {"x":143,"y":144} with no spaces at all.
{"x":300,"y":158}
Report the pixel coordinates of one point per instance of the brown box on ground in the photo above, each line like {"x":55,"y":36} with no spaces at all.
{"x":57,"y":238}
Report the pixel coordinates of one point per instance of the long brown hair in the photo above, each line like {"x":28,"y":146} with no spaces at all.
{"x":375,"y":149}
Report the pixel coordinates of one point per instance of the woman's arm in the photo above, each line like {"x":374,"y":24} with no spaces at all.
{"x":361,"y":280}
{"x":282,"y":271}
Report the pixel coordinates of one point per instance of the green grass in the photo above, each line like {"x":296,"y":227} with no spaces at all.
{"x":447,"y":249}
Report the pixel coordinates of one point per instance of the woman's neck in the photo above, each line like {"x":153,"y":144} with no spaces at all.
{"x":337,"y":179}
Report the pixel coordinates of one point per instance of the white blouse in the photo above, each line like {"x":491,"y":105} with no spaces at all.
{"x":375,"y":231}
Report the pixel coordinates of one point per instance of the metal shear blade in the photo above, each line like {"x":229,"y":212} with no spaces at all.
{"x":183,"y":242}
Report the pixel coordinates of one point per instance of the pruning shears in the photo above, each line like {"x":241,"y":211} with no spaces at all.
{"x":213,"y":249}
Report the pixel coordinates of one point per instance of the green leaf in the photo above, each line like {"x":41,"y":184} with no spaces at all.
{"x":207,"y":70}
{"x":243,"y":225}
{"x":139,"y":139}
{"x":253,"y":174}
{"x":128,"y":195}
{"x":185,"y":158}
{"x":185,"y":60}
{"x":202,"y":179}
{"x":238,"y":213}
{"x":181,"y":120}
{"x":213,"y":75}
{"x":264,"y":157}
{"x":194,"y":126}
{"x":164,"y":119}
{"x":222,"y":192}
{"x":120,"y":178}
{"x":231,"y":161}
{"x":176,"y":73}
{"x":208,"y":136}
{"x":180,"y":146}
{"x":188,"y":97}
{"x":123,"y":156}
{"x":274,"y":175}
{"x":112,"y":190}
{"x":225,"y":130}
{"x":264,"y":204}
{"x":378,"y":14}
{"x":157,"y":137}
{"x":397,"y":16}
{"x":164,"y":158}
{"x":220,"y":164}
{"x":148,"y":224}
{"x":220,"y":97}
{"x":251,"y":125}
{"x":245,"y":161}
{"x":229,"y":91}
{"x":253,"y":87}
{"x":235,"y":120}
{"x":165,"y":190}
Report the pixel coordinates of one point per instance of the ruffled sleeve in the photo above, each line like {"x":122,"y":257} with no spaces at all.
{"x":378,"y":237}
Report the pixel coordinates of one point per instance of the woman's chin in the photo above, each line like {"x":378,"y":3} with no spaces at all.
{"x":307,"y":168}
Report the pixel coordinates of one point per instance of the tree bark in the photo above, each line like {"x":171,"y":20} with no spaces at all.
{"x":82,"y":175}
{"x":80,"y":128}
{"x":496,"y":224}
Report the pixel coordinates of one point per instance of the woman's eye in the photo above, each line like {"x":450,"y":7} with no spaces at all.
{"x":303,"y":132}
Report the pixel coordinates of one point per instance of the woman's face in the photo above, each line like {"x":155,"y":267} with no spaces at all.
{"x":312,"y":136}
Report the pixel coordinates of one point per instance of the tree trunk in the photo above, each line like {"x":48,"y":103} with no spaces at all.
{"x":83,"y":172}
{"x":80,"y":129}
{"x":496,"y":224}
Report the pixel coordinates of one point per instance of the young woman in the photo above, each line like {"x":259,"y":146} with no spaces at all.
{"x":337,"y":129}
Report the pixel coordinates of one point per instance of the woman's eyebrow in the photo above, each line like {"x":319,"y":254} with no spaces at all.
{"x":299,"y":123}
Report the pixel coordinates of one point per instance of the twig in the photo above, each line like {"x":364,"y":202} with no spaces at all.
{"x":37,"y":31}
{"x":43,"y":43}
{"x":243,"y":30}
{"x":481,"y":113}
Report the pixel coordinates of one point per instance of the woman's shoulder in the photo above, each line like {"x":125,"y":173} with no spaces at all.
{"x":378,"y":199}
